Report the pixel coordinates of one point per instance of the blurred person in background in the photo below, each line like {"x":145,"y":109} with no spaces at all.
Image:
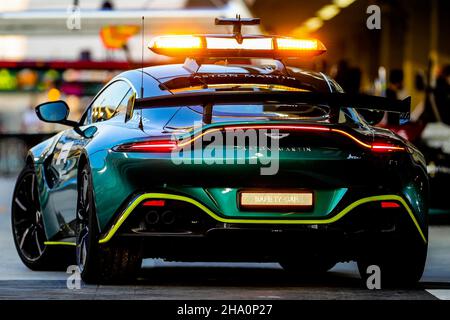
{"x":107,"y":5}
{"x":410,"y":130}
{"x":340,"y":73}
{"x":418,"y":113}
{"x":353,"y":80}
{"x":395,"y":91}
{"x":442,"y":94}
{"x":349,"y":78}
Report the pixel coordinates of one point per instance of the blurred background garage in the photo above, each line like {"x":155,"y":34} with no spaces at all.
{"x":67,"y":49}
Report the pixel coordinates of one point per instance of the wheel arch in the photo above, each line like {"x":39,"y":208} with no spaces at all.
{"x":29,"y":160}
{"x":84,"y":160}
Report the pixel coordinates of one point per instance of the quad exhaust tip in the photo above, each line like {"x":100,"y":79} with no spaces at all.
{"x":153,"y":217}
{"x":168,"y":217}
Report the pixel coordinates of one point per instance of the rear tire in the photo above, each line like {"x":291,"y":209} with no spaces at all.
{"x":28,"y":228}
{"x":101,"y":263}
{"x":401,"y":261}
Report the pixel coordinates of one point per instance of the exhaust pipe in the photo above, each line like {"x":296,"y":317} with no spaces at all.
{"x":152,"y":217}
{"x":168,"y":217}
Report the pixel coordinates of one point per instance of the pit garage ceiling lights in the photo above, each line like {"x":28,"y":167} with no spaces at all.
{"x":325,"y":13}
{"x":20,"y":5}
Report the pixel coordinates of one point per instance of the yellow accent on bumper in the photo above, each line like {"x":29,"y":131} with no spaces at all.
{"x":335,"y":218}
{"x":59,"y":243}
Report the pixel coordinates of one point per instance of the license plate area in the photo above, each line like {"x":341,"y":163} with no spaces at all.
{"x":270,"y":200}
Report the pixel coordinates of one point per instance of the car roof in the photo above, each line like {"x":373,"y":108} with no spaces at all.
{"x":158,"y":76}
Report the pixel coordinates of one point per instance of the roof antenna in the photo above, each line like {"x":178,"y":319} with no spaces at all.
{"x":237,"y":24}
{"x":141,"y":125}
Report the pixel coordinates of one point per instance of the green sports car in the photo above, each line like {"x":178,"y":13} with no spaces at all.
{"x":212,"y":160}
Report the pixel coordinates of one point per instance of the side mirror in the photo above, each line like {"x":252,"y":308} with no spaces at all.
{"x":89,"y":132}
{"x":54,"y":112}
{"x":372,"y":117}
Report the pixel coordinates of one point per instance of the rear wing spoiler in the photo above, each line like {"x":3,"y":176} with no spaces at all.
{"x":334,"y":100}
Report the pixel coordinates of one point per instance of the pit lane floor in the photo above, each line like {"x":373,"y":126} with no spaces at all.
{"x":161,"y":280}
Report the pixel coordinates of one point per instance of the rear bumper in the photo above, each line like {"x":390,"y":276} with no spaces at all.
{"x":240,"y":243}
{"x":124,"y":175}
{"x":361,"y":217}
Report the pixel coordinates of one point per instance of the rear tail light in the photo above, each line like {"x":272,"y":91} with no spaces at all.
{"x":385,"y":147}
{"x":389,"y":204}
{"x":168,"y":145}
{"x":154,"y":203}
{"x":148,"y":146}
{"x":375,"y":147}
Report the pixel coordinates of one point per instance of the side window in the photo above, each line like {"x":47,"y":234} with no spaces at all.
{"x":122,"y":107}
{"x":105,"y":105}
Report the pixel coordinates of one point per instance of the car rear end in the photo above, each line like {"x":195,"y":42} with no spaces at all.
{"x":275,"y":189}
{"x":257,"y":163}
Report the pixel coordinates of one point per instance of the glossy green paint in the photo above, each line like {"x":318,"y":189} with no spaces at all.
{"x":412,"y":193}
{"x":111,"y":175}
{"x":118,"y":176}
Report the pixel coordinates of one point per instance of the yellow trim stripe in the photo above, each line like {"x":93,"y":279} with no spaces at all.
{"x":59,"y":243}
{"x":355,"y":204}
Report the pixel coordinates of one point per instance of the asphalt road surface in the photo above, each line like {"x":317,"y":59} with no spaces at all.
{"x":161,"y":280}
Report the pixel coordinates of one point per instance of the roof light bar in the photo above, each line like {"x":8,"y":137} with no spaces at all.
{"x":297,"y":44}
{"x":232,"y":44}
{"x":177,"y":42}
{"x":224,"y":46}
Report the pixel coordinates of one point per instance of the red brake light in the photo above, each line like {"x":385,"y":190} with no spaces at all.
{"x":385,"y":147}
{"x":389,"y":204}
{"x":171,"y":145}
{"x":149,"y":146}
{"x":154,"y":203}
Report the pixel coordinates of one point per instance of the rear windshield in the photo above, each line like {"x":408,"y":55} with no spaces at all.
{"x":187,"y":117}
{"x":270,"y":111}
